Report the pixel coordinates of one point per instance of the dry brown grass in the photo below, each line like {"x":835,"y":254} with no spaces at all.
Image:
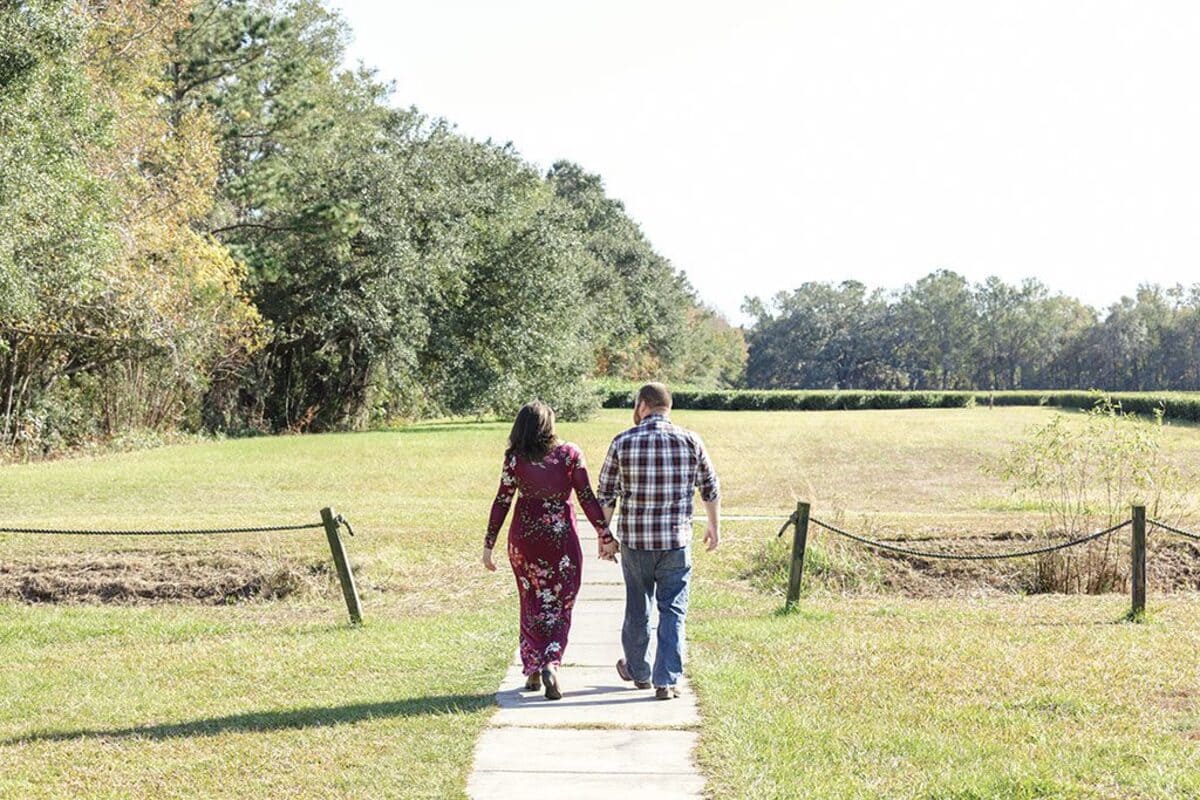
{"x":128,"y":578}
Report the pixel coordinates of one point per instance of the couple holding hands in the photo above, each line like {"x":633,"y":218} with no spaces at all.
{"x":652,"y":470}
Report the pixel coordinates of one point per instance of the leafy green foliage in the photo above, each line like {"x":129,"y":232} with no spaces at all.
{"x":54,"y":211}
{"x":407,"y":270}
{"x":942,"y":333}
{"x":114,"y":310}
{"x":208,"y":222}
{"x":513,"y":329}
{"x":823,"y":336}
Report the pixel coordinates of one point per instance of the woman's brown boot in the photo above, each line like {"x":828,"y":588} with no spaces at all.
{"x":550,"y":678}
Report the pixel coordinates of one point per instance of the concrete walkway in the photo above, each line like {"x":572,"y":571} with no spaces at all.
{"x":603,"y":739}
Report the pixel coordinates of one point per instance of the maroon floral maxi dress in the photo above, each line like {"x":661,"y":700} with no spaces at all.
{"x":543,"y":545}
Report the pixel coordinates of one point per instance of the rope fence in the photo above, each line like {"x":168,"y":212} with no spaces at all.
{"x":800,"y":521}
{"x":1037,"y":551}
{"x":1174,"y":530}
{"x":331,"y":522}
{"x":179,"y":532}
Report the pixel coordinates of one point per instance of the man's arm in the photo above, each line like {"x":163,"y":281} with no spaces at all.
{"x":710,"y":493}
{"x":712,"y":531}
{"x":608,"y":488}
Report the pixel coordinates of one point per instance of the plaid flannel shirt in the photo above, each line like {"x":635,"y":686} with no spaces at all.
{"x":654,"y":469}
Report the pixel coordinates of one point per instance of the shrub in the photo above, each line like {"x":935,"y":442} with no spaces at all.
{"x":831,"y":568}
{"x":1180,"y":406}
{"x":1087,"y":475}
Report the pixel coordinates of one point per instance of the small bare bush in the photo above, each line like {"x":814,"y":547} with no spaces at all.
{"x":1085,"y":475}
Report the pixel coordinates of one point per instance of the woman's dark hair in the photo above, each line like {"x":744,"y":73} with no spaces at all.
{"x":533,"y":432}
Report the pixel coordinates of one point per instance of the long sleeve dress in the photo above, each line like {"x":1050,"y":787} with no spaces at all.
{"x":543,"y":545}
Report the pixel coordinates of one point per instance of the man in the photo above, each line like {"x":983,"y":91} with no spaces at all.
{"x":653,"y":470}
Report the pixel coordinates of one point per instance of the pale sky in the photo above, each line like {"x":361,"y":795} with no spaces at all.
{"x":764,"y":144}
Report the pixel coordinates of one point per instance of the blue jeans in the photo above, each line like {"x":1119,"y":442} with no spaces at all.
{"x":663,"y":575}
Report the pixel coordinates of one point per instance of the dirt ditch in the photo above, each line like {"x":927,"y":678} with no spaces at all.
{"x":1097,"y":567}
{"x":1170,"y":566}
{"x":150,"y":577}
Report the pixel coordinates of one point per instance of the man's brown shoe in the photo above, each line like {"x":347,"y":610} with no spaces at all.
{"x":665,"y":692}
{"x":623,"y":671}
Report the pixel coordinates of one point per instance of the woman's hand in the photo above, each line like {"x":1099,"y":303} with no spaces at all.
{"x":608,"y":552}
{"x":487,"y":559}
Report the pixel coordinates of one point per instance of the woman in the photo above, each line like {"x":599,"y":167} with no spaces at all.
{"x":543,"y":546}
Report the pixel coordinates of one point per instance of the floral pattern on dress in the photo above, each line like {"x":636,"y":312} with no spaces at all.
{"x":552,"y":519}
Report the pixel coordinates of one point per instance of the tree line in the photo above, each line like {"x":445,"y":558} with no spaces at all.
{"x":942,"y":332}
{"x":207,"y":222}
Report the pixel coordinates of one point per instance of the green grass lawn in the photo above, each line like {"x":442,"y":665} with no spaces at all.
{"x":858,"y":696}
{"x":863,"y":697}
{"x":201,"y":703}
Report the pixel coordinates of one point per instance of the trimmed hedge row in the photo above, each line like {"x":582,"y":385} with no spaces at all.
{"x":1183,"y":406}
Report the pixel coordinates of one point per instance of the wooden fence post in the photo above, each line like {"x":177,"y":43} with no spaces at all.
{"x":799,"y":543}
{"x":1137,"y":579}
{"x":345,"y":576}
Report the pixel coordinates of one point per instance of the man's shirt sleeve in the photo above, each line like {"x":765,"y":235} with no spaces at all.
{"x":706,"y":476}
{"x":609,"y":485}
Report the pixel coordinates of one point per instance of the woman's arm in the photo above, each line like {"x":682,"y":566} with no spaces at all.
{"x":587,"y":498}
{"x":504,"y":498}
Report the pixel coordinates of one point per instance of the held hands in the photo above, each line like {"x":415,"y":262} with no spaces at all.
{"x":487,"y":559}
{"x":608,"y":552}
{"x":712,"y":536}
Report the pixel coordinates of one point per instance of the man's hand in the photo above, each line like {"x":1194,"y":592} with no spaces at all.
{"x":487,"y":559}
{"x":712,"y":536}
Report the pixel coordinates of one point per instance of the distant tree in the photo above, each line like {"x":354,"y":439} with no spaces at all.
{"x":173,"y":287}
{"x":1181,"y":343}
{"x":646,"y":320}
{"x":938,"y":312}
{"x":56,"y":213}
{"x":510,"y":328}
{"x":637,"y":302}
{"x":1017,"y":335}
{"x":308,"y":199}
{"x":821,"y":336}
{"x":1064,"y":326}
{"x":114,"y":311}
{"x":716,"y":351}
{"x":941,"y":333}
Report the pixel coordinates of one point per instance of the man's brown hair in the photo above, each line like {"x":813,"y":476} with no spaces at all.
{"x":655,"y":395}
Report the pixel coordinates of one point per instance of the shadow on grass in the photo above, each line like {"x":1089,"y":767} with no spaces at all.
{"x":802,"y":612}
{"x":264,"y":721}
